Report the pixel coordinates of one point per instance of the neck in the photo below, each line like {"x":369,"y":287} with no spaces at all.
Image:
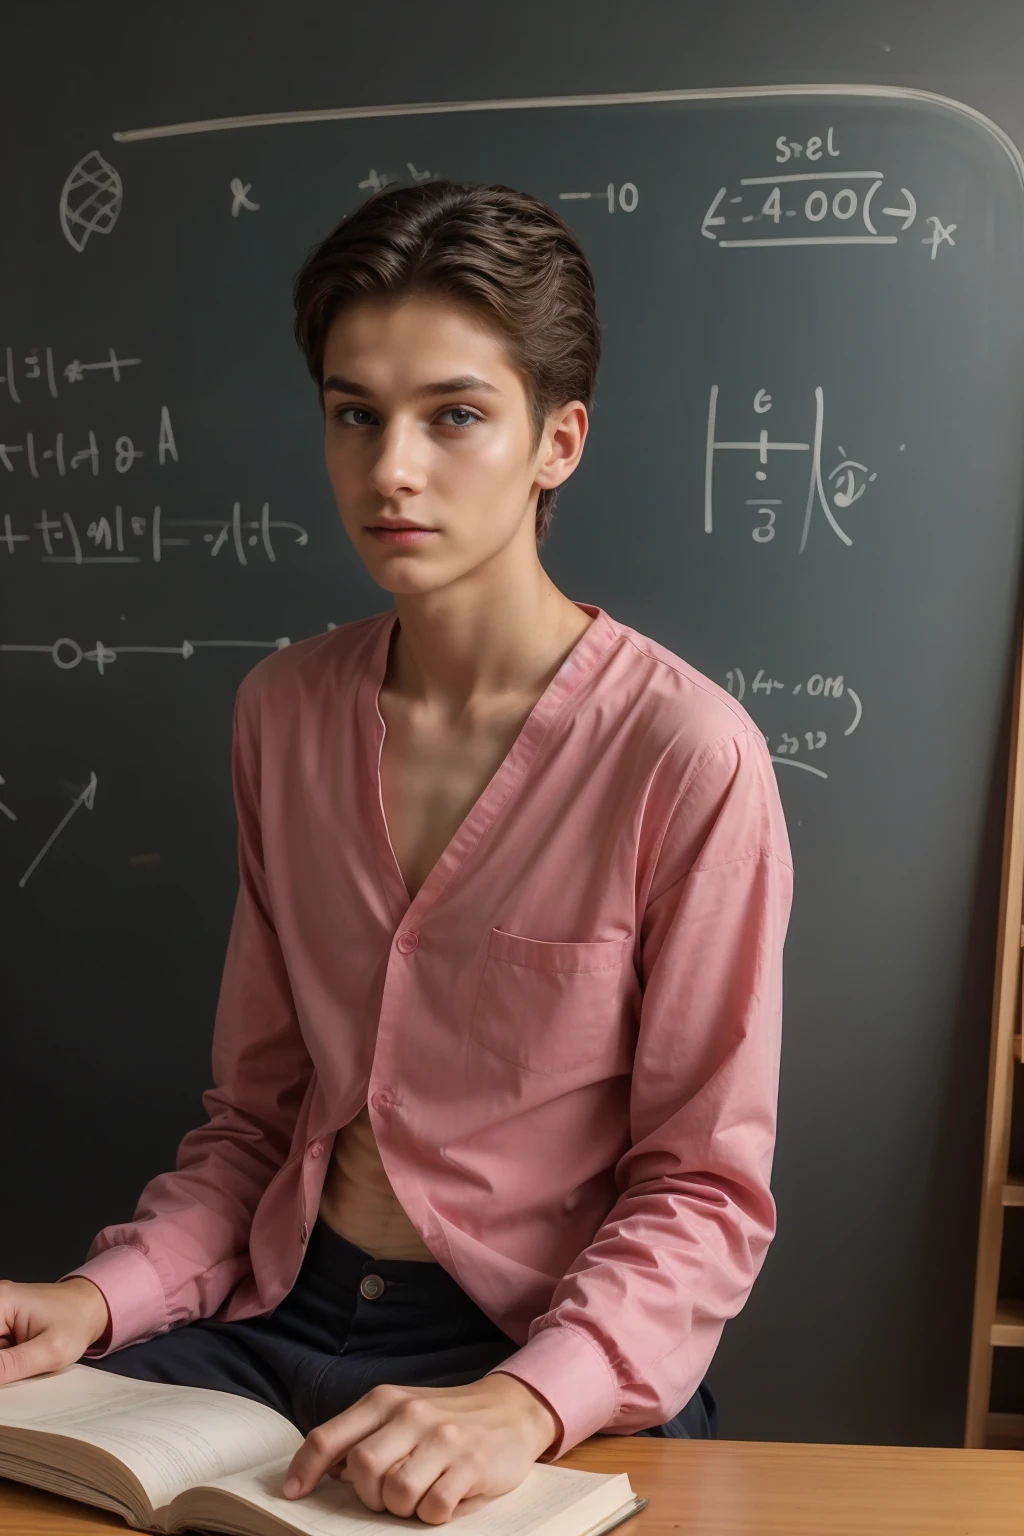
{"x":459,"y":654}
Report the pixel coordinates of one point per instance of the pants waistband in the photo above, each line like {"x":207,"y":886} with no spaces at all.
{"x":328,"y":1254}
{"x":419,"y":1304}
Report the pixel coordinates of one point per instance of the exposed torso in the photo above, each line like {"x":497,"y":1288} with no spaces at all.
{"x":431,"y":776}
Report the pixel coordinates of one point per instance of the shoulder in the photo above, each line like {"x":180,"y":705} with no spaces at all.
{"x":300,"y":673}
{"x":713,"y":794}
{"x":683,"y":712}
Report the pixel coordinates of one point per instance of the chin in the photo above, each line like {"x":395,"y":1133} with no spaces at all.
{"x":408,"y":582}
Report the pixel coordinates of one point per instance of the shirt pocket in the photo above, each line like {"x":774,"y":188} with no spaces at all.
{"x":551,"y":1006}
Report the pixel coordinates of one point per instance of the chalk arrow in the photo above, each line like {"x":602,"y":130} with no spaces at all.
{"x":185,"y":649}
{"x":86,"y":798}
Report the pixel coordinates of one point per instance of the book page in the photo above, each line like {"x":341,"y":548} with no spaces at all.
{"x":333,"y":1507}
{"x":170,"y":1437}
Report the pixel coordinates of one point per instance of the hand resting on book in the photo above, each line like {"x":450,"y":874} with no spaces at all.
{"x":45,"y":1327}
{"x":175,"y":1460}
{"x":422,"y":1450}
{"x":407,"y":1450}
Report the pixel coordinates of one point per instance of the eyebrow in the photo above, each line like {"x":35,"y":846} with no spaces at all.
{"x":465,"y":381}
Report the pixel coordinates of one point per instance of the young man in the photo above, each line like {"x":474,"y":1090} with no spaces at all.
{"x":496,"y":1054}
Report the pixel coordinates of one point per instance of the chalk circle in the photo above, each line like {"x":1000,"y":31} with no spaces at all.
{"x":76,"y":656}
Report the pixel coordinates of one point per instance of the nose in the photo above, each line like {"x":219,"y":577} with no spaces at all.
{"x":399,"y":465}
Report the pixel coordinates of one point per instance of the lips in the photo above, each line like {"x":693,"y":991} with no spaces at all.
{"x":398,"y":537}
{"x":396,"y":524}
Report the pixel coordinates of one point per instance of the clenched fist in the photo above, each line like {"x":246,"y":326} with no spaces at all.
{"x":46,"y":1327}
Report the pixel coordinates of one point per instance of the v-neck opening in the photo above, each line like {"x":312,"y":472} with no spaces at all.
{"x":592,"y":644}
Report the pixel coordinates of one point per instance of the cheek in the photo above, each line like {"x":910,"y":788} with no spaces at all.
{"x":502,"y":449}
{"x":496,"y":459}
{"x":340,"y":468}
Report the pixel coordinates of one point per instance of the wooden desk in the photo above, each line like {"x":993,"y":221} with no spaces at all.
{"x":728,"y":1488}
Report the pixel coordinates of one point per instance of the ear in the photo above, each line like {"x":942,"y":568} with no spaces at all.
{"x":561,"y":445}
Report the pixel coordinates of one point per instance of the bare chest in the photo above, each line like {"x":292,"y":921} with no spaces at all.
{"x":431,"y":778}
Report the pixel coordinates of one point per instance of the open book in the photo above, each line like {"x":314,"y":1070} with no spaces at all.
{"x":170,"y":1458}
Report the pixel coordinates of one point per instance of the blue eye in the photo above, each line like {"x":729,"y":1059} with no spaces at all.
{"x":461,"y":410}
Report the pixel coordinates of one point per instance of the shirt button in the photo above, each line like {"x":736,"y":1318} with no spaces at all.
{"x":371,"y":1286}
{"x":381,"y":1099}
{"x":408,"y":941}
{"x":304,"y":1232}
{"x":315,"y":1149}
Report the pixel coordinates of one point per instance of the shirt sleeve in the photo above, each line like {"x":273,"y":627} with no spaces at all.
{"x":634,"y":1323}
{"x":187,"y":1244}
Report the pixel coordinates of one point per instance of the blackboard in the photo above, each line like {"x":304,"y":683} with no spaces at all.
{"x":803,"y":475}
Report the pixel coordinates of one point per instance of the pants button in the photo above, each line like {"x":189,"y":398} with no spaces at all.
{"x":371,"y":1286}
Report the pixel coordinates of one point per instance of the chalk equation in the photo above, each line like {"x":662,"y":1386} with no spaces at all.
{"x":829,"y":206}
{"x":37,"y":368}
{"x":62,"y":456}
{"x":831,"y":488}
{"x":625,"y":198}
{"x":67,"y":654}
{"x":131,"y":539}
{"x":791,"y":744}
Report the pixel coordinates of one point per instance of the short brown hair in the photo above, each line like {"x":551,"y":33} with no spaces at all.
{"x":503,"y":252}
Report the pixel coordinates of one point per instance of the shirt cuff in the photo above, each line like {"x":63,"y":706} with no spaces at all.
{"x":133,"y":1294}
{"x":574,"y":1378}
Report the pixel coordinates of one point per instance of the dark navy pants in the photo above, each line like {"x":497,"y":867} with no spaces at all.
{"x":349,"y":1323}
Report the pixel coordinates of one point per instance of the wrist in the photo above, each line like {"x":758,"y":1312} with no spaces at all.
{"x":545,"y":1425}
{"x":94,"y":1299}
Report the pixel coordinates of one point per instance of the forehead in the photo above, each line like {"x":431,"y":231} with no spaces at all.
{"x":386,"y":337}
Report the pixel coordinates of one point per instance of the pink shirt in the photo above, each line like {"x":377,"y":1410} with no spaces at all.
{"x":569,"y":1041}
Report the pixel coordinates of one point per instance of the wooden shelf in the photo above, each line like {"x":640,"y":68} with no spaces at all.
{"x":1004,"y":1432}
{"x":998,"y":1322}
{"x":1008,"y":1327}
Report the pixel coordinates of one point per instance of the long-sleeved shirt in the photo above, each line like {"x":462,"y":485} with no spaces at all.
{"x":568,"y":1041}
